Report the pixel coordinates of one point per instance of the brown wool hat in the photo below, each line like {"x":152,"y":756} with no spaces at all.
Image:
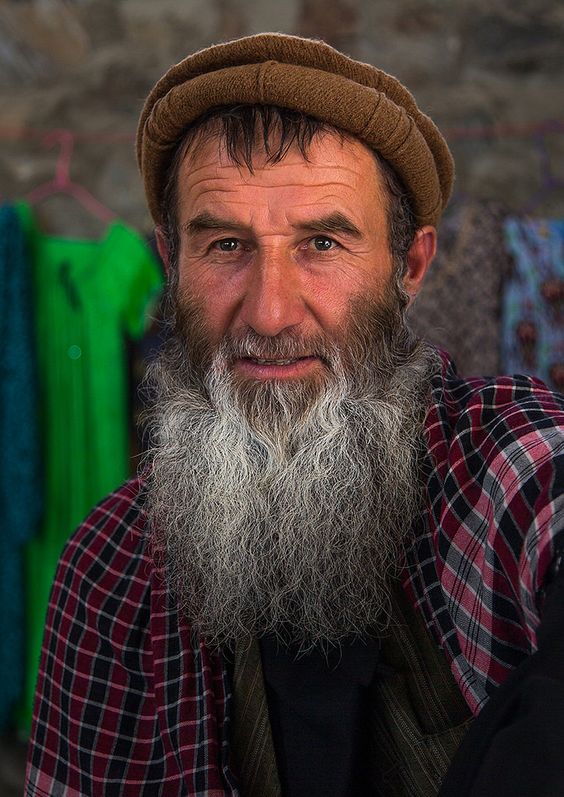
{"x":304,"y":75}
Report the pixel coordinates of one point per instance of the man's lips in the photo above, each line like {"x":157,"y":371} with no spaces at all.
{"x":273,"y":368}
{"x":261,"y":361}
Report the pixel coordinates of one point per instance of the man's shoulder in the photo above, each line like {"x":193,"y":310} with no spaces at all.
{"x":506,"y":428}
{"x":496,"y":407}
{"x":112,"y":539}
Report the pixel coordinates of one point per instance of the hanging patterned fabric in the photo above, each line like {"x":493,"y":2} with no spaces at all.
{"x":533,"y":301}
{"x":458,"y":308}
{"x":20,"y":483}
{"x":89,"y":296}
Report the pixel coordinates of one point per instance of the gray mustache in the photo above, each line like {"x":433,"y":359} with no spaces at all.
{"x":281,"y":347}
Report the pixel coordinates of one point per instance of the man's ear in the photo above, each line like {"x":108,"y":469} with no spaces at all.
{"x":419,"y":257}
{"x":162,"y":246}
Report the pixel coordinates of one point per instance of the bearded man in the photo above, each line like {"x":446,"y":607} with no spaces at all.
{"x":338,"y":552}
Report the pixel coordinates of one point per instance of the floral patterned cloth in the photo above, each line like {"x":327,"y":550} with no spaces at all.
{"x":533,"y":301}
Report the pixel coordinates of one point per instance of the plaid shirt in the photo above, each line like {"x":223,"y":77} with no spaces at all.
{"x":131,"y":703}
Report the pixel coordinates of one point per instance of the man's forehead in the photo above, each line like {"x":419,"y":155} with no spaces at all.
{"x":340,"y":196}
{"x":337,"y":177}
{"x":331,"y":159}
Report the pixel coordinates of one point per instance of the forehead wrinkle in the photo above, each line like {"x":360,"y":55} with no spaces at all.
{"x":227,"y":185}
{"x":226,"y":197}
{"x":311,"y":174}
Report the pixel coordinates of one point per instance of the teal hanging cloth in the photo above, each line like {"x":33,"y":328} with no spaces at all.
{"x":20,"y":481}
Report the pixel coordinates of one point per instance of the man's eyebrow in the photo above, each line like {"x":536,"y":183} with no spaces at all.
{"x":332,"y":223}
{"x":207,"y":221}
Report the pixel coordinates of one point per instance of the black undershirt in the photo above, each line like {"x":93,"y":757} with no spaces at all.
{"x":319,"y":711}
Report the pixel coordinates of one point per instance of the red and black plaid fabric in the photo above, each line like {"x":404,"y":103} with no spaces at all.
{"x":493,"y":521}
{"x":130,"y":703}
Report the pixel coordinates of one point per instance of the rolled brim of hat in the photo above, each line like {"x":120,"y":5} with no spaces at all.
{"x":303,"y":75}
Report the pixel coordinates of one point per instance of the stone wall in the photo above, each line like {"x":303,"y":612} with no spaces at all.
{"x":490,"y":72}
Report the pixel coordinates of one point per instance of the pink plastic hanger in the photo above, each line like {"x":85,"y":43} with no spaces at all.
{"x":62,"y":183}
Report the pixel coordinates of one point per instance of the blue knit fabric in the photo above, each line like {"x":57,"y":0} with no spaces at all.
{"x":20,"y":485}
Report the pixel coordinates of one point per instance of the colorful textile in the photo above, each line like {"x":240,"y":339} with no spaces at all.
{"x":130,"y":700}
{"x":89,"y":295}
{"x":533,"y":301}
{"x":20,"y":481}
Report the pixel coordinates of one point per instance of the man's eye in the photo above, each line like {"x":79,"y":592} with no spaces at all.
{"x":323,"y":244}
{"x":227,"y":245}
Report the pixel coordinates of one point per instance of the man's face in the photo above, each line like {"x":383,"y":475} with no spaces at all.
{"x":281,"y":251}
{"x":289,"y":403}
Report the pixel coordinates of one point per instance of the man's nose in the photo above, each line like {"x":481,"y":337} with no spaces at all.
{"x":273,"y":298}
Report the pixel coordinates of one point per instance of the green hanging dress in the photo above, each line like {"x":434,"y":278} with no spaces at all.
{"x":89,"y":296}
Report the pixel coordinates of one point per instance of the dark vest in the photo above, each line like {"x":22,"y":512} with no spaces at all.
{"x":418,"y":715}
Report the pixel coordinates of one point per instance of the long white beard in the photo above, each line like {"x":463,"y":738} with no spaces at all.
{"x":283,"y":508}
